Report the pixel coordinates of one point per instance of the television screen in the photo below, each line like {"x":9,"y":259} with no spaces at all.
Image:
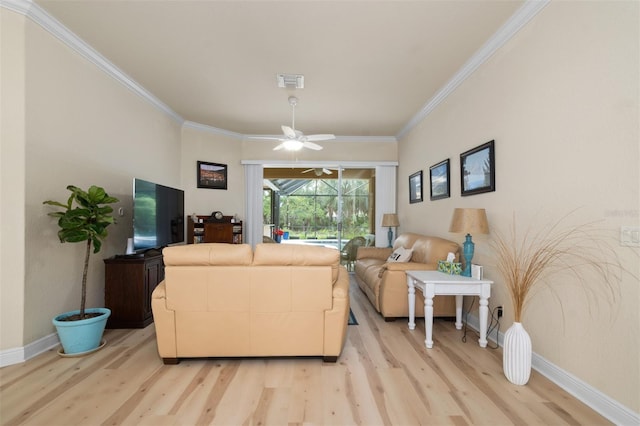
{"x":158,"y":215}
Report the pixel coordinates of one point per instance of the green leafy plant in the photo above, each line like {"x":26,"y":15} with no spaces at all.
{"x":85,"y":217}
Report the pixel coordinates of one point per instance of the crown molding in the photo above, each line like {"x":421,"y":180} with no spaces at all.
{"x":328,"y":163}
{"x":41,"y":17}
{"x":210,"y":129}
{"x":338,"y":138}
{"x":518,"y":20}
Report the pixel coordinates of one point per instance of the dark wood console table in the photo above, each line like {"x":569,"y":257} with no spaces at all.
{"x":129,"y":282}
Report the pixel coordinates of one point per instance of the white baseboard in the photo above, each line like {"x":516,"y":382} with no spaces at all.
{"x":21,"y":354}
{"x":607,"y":407}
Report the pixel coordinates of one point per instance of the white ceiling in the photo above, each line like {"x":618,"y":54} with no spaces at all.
{"x":369,"y":66}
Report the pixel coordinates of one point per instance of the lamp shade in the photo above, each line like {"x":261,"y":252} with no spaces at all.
{"x":469,"y":221}
{"x":390,"y":219}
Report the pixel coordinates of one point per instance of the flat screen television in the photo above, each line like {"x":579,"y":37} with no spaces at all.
{"x":158,"y":216}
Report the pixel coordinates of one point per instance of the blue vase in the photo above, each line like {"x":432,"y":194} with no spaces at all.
{"x":82,"y":335}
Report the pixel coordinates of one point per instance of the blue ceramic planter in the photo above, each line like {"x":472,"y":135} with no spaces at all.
{"x":83,"y":335}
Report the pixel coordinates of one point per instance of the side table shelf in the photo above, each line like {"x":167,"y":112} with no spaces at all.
{"x":129,"y":283}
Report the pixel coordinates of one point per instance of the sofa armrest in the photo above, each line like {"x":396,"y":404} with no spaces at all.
{"x":381,"y":253}
{"x":337,"y":317}
{"x":165,"y":322}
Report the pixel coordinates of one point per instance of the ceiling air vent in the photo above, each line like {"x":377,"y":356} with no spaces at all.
{"x":290,"y":81}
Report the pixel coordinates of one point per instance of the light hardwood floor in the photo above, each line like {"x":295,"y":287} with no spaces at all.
{"x":385,"y":376}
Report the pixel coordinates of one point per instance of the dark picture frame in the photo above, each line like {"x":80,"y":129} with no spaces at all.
{"x":478,"y":169}
{"x":212,"y":175}
{"x":440,"y":178}
{"x":415,"y":187}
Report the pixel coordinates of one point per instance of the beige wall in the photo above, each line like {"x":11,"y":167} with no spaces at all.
{"x":561,"y":101}
{"x":82,"y":128}
{"x":12,"y":160}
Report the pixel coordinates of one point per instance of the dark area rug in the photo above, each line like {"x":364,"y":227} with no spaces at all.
{"x":352,"y":318}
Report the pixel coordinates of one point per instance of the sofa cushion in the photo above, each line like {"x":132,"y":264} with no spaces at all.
{"x":298,"y":255}
{"x":426,"y":249}
{"x":400,"y":254}
{"x":208,"y":254}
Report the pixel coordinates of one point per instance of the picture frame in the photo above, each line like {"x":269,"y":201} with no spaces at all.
{"x":212,"y":175}
{"x":415,"y":187}
{"x":440,"y":178}
{"x":478,"y":169}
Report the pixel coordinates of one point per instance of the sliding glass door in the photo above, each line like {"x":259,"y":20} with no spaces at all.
{"x":327,"y":206}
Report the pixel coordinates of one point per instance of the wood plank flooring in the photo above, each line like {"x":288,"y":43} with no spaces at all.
{"x":385,"y":376}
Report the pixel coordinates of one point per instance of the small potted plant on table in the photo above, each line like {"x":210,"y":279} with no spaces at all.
{"x":84,"y":218}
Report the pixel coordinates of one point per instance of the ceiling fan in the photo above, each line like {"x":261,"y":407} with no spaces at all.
{"x":318,"y":171}
{"x":295,"y":140}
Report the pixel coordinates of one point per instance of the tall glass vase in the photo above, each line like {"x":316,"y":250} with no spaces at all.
{"x":516,"y":354}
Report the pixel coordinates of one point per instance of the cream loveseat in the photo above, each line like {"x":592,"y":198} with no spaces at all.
{"x":385,"y":282}
{"x":224,"y":300}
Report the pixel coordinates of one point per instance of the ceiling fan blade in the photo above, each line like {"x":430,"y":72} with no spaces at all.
{"x":267,"y":138}
{"x":279,"y":147}
{"x":322,"y":137}
{"x":312,"y":145}
{"x":289,"y":132}
{"x":307,"y":171}
{"x":326,"y":171}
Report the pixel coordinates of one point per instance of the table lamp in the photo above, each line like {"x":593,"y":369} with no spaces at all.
{"x":468,"y":221}
{"x":390,"y":220}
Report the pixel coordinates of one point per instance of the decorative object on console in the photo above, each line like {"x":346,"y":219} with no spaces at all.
{"x":216,"y":217}
{"x":415,"y":187}
{"x":212,"y":175}
{"x":439,"y":177}
{"x":87,"y":221}
{"x":527,"y":260}
{"x":478,"y":170}
{"x":390,"y":220}
{"x":467,"y":221}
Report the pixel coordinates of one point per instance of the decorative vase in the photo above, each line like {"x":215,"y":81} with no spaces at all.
{"x":81,"y":336}
{"x":516,"y":354}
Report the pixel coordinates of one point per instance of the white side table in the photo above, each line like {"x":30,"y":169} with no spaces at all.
{"x":433,"y":283}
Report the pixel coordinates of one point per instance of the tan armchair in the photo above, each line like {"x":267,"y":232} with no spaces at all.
{"x":349,"y":251}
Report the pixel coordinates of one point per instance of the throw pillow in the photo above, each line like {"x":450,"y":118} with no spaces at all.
{"x":400,"y":254}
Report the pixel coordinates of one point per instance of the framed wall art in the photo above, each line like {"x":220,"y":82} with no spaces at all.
{"x":478,"y":170}
{"x":212,"y":175}
{"x":415,"y":187}
{"x":439,"y":177}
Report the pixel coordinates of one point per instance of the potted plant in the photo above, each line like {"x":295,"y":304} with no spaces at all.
{"x":83,"y":218}
{"x":528,"y":261}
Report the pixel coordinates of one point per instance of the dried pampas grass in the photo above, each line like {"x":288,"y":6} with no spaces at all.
{"x":527,"y":262}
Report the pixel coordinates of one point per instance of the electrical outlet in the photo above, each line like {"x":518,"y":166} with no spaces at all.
{"x":499,"y":311}
{"x":630,"y":236}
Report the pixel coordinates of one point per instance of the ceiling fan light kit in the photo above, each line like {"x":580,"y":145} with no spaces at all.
{"x":291,"y":145}
{"x":295,"y":140}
